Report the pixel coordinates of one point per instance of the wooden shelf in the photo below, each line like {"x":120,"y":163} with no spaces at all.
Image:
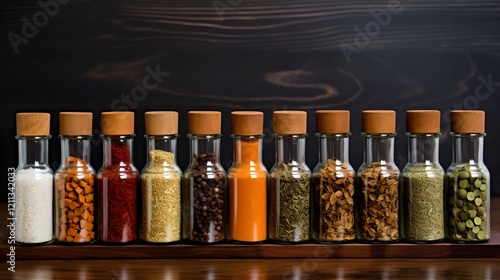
{"x":262,"y":251}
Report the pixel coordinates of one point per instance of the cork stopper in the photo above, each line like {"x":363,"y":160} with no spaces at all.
{"x":423,"y":121}
{"x":289,"y":122}
{"x":247,"y":122}
{"x":117,"y":123}
{"x":75,"y":123}
{"x":332,"y":121}
{"x":467,"y":121}
{"x":204,"y":122}
{"x":33,"y":124}
{"x":161,"y":122}
{"x":379,"y":121}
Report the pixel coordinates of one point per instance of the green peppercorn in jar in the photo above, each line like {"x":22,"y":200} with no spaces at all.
{"x":468,"y":192}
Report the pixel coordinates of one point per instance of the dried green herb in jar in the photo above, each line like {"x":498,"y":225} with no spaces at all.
{"x":161,"y":199}
{"x":468,"y":204}
{"x":290,"y":204}
{"x":423,"y":203}
{"x":334,"y":202}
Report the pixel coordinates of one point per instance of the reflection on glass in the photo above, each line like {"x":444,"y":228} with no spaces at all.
{"x":39,"y":272}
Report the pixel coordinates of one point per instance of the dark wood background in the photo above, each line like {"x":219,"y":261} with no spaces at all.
{"x":262,"y":55}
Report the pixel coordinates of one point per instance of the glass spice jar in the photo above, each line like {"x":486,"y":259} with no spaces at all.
{"x":422,"y":179}
{"x":204,"y":198}
{"x":74,"y":181}
{"x":289,"y":201}
{"x":117,"y":181}
{"x":34,"y":181}
{"x":378,"y":180}
{"x":161,"y":180}
{"x":333,"y":180}
{"x":247,"y":188}
{"x":468,"y":180}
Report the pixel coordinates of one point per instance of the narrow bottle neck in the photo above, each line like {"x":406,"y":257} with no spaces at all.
{"x":467,"y":148}
{"x":205,"y":144}
{"x":379,"y":148}
{"x":290,"y":148}
{"x":33,"y":151}
{"x":118,"y":150}
{"x":423,"y":148}
{"x":75,"y":146}
{"x":167,"y":143}
{"x":247,"y":150}
{"x":333,"y":146}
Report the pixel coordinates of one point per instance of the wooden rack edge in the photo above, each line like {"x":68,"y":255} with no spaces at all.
{"x":490,"y":249}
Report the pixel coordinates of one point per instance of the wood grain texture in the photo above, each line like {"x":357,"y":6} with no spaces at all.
{"x":262,"y":25}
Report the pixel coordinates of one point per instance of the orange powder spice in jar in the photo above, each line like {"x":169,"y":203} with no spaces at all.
{"x":247,"y":192}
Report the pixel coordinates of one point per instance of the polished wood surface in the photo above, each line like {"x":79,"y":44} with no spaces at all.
{"x":209,"y":267}
{"x":257,"y":269}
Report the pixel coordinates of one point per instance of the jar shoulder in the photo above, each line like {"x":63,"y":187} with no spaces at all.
{"x":338,"y":168}
{"x":430,"y":169}
{"x":35,"y":169}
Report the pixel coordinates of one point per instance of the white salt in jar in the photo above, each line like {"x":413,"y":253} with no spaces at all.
{"x":34,"y":181}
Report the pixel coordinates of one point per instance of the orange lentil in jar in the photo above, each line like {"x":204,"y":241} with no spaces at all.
{"x":74,"y":181}
{"x":75,"y":203}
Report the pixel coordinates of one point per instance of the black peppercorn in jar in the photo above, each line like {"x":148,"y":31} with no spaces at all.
{"x":204,"y":181}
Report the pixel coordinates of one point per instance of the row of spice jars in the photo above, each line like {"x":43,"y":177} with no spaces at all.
{"x":340,"y":206}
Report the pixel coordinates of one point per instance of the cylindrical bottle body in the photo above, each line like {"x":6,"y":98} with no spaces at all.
{"x":289,"y":201}
{"x":34,"y":192}
{"x":117,"y":192}
{"x":161,"y":192}
{"x":422,"y":191}
{"x":74,"y":193}
{"x":247,"y":192}
{"x":378,"y":193}
{"x":468,"y":191}
{"x":333,"y":197}
{"x":204,"y":192}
